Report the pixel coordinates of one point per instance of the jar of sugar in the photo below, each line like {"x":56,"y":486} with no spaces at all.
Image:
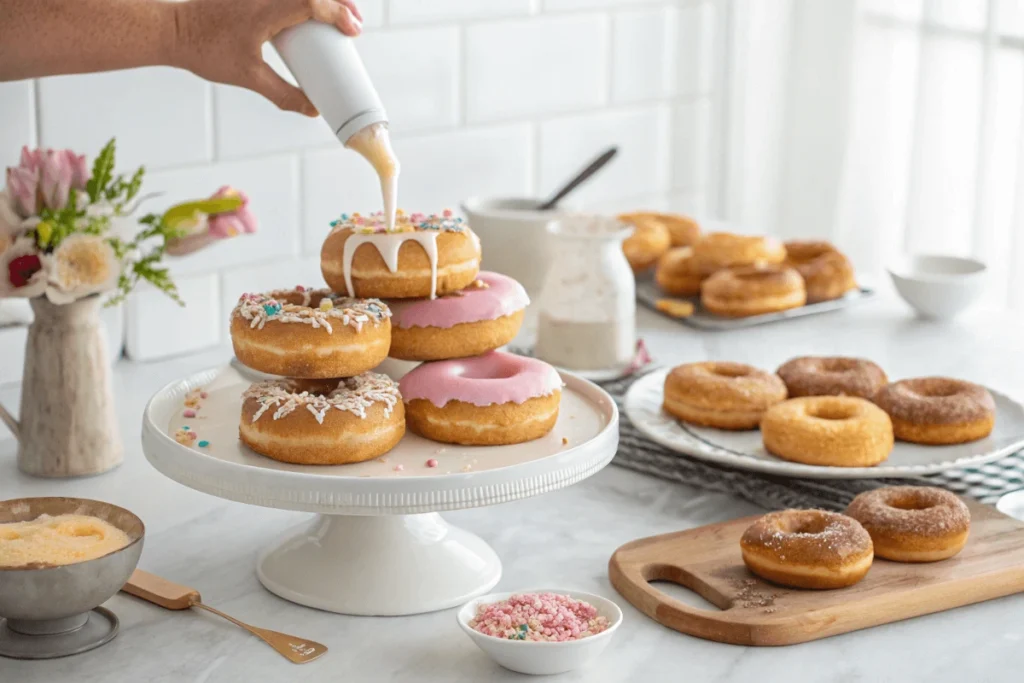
{"x":587,"y":311}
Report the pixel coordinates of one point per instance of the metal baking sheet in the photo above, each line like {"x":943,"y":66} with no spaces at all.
{"x":648,"y":294}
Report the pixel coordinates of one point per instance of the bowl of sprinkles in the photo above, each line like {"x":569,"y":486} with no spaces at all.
{"x":541,"y":631}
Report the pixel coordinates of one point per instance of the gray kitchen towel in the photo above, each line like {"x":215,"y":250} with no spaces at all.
{"x":985,"y":483}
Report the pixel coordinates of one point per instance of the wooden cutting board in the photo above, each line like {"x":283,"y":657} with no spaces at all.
{"x":754,"y":612}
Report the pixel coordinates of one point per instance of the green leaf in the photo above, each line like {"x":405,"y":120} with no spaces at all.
{"x":102,"y":171}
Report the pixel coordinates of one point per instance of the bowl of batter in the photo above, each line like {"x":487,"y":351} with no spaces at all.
{"x":60,"y":558}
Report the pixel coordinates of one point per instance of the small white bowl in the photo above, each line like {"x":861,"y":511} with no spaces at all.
{"x":939,"y":287}
{"x":538,"y":657}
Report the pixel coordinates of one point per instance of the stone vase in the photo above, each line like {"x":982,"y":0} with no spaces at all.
{"x":68,"y":427}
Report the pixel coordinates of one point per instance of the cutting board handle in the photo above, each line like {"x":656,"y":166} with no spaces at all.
{"x":633,"y":581}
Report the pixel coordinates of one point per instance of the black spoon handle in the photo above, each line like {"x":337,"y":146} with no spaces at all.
{"x":592,"y":168}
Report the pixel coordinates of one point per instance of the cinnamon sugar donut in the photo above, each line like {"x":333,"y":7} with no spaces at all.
{"x":683,"y":231}
{"x":834,"y":431}
{"x":649,"y":240}
{"x":835,"y":376}
{"x":310,"y":333}
{"x":494,"y":399}
{"x":677,"y":272}
{"x":747,"y":291}
{"x":423,"y":256}
{"x":480,"y":318}
{"x":807,"y":549}
{"x":323,"y":422}
{"x":827,"y":273}
{"x":718,"y":250}
{"x":720,"y":394}
{"x":938,"y":410}
{"x":913,"y":523}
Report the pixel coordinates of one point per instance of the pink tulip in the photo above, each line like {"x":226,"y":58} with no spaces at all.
{"x":45,"y":178}
{"x":56,"y":180}
{"x":238,"y":222}
{"x":23,"y":185}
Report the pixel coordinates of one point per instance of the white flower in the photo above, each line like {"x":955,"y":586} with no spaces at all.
{"x":23,"y":269}
{"x":82,"y":265}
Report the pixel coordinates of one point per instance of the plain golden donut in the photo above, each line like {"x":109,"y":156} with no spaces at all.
{"x":721,"y":394}
{"x":683,"y":231}
{"x":831,"y":431}
{"x":832,"y":376}
{"x":423,"y":256}
{"x":677,"y":272}
{"x":807,"y":549}
{"x":310,"y":333}
{"x":649,"y":240}
{"x":747,"y":291}
{"x":938,"y":410}
{"x":827,"y":273}
{"x":323,"y":422}
{"x":913,"y":523}
{"x":718,"y":250}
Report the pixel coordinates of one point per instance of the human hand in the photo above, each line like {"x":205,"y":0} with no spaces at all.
{"x":222,"y":41}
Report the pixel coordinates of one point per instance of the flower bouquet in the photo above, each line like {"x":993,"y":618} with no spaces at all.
{"x":68,"y":236}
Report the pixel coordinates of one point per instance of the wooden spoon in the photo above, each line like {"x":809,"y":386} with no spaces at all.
{"x":170,"y":595}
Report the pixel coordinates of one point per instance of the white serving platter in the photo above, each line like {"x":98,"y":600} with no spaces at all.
{"x":745,"y":451}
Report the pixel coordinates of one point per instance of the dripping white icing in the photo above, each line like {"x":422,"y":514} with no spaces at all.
{"x":388,"y":245}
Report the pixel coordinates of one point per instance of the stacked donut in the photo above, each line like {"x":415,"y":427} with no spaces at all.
{"x":838,"y":412}
{"x":734,"y":275}
{"x":414,"y":292}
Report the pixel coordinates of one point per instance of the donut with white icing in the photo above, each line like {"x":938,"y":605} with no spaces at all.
{"x":421,"y":257}
{"x":323,"y":422}
{"x":310,"y":334}
{"x":480,"y":318}
{"x":494,"y":399}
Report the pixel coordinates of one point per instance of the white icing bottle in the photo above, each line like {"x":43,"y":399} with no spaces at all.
{"x":328,"y":69}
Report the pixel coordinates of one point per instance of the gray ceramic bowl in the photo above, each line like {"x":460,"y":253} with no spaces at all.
{"x":50,"y":600}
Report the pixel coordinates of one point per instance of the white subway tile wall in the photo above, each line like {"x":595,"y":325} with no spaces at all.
{"x":503,"y":97}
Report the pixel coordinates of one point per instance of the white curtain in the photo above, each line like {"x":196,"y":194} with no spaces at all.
{"x":887,"y":126}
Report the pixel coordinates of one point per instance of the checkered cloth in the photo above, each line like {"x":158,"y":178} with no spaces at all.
{"x":985,"y":483}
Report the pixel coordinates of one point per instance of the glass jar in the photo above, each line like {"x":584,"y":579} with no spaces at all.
{"x":587,"y":311}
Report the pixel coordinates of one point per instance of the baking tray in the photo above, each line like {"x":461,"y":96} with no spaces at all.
{"x":648,"y":294}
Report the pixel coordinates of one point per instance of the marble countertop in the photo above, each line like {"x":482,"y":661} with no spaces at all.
{"x":562,"y":539}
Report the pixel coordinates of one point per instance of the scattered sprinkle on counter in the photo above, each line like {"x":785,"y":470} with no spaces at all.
{"x":565,"y":441}
{"x":399,"y":467}
{"x":539,"y":617}
{"x":204,"y":444}
{"x":432,"y":462}
{"x":189,"y":413}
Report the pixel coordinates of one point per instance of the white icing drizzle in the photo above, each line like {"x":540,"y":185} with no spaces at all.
{"x":353,"y":394}
{"x":388,"y":245}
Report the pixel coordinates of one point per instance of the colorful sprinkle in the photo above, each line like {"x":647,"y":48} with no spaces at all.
{"x":326,"y":305}
{"x":272,"y":308}
{"x":189,"y":413}
{"x":203,"y":394}
{"x":203,"y":444}
{"x":399,"y":467}
{"x":539,"y":617}
{"x":432,"y":462}
{"x":186,"y":428}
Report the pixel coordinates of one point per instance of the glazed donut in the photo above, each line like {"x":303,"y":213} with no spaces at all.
{"x":747,"y":291}
{"x":677,"y":272}
{"x":832,"y":431}
{"x":310,"y":333}
{"x":938,"y":410}
{"x":494,"y":399}
{"x":723,"y":395}
{"x":821,"y":376}
{"x":807,"y":549}
{"x":913,"y":523}
{"x":650,"y":239}
{"x":718,"y":250}
{"x":323,"y":422}
{"x":480,"y":318}
{"x":827,"y":273}
{"x":423,"y":256}
{"x":683,"y":231}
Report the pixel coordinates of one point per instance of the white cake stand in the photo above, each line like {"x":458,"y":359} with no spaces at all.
{"x":377,"y":545}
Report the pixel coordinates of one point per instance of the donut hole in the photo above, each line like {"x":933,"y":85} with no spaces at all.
{"x":488,"y":373}
{"x":755,"y":275}
{"x":832,"y":412}
{"x":838,"y":365}
{"x":808,"y":526}
{"x":941,"y":391}
{"x":910,"y":503}
{"x":730,"y":371}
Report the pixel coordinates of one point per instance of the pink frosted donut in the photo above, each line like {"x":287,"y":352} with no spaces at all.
{"x":482,"y":317}
{"x":494,"y":399}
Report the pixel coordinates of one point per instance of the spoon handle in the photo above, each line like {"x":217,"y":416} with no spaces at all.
{"x":592,"y":168}
{"x":296,"y":650}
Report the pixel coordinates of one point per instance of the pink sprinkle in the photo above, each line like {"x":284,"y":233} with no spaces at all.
{"x":203,"y":394}
{"x":447,"y":213}
{"x":189,"y":413}
{"x":432,"y":462}
{"x":300,"y":288}
{"x":399,"y":467}
{"x":539,"y":616}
